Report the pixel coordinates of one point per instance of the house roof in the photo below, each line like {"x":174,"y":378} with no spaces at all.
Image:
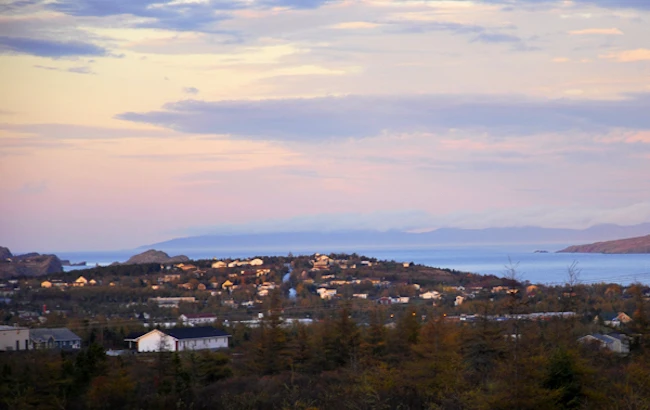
{"x":200,"y":315}
{"x":134,"y":335}
{"x":60,"y":334}
{"x":195,"y":332}
{"x":617,"y":336}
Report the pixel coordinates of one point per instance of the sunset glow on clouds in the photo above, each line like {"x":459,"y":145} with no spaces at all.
{"x":128,"y":122}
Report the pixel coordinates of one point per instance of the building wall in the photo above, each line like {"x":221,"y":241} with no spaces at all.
{"x":217,"y":342}
{"x":155,"y":341}
{"x":12,"y":338}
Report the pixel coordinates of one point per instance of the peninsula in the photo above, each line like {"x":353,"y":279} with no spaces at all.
{"x":639,"y":244}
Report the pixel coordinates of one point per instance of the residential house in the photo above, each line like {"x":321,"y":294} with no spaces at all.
{"x":186,"y":268}
{"x":46,"y":284}
{"x":326,"y":293}
{"x":14,"y":338}
{"x":233,"y":264}
{"x":179,"y":339}
{"x":219,"y":265}
{"x":58,"y":338}
{"x":433,"y":294}
{"x":613,"y":319}
{"x":81,"y":281}
{"x":407,"y":264}
{"x":171,"y":277}
{"x":257,"y":262}
{"x":615,"y":342}
{"x":58,"y":283}
{"x":262,"y":272}
{"x":227,"y":284}
{"x":193,"y":319}
{"x":459,"y":300}
{"x":360,"y":295}
{"x":172,"y":301}
{"x":620,"y":318}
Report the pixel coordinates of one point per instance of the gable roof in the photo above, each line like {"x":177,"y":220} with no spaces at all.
{"x":60,"y":334}
{"x":195,"y":332}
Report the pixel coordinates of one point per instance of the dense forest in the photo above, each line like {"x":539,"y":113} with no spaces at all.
{"x":416,"y":362}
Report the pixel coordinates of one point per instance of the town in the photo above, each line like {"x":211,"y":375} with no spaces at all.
{"x":248,"y":333}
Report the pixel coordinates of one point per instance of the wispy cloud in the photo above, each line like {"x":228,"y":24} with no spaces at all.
{"x":628,"y":56}
{"x":353,"y":25}
{"x":49,"y":48}
{"x":598,"y":31}
{"x":163,"y":14}
{"x":190,"y":90}
{"x":294,"y":4}
{"x":75,"y":70}
{"x":363,"y":116}
{"x":618,"y":4}
{"x":497,"y":38}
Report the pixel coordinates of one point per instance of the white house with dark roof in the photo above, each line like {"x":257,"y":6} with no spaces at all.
{"x":179,"y":339}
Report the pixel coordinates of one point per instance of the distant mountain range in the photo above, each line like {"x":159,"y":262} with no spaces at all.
{"x":369,"y":239}
{"x":639,"y":244}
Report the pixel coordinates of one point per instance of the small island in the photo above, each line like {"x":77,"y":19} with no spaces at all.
{"x":639,"y":244}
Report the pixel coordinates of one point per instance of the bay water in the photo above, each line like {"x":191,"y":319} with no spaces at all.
{"x":545,"y":268}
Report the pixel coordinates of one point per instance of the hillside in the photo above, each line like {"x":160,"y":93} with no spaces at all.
{"x":639,"y":244}
{"x":154,"y":256}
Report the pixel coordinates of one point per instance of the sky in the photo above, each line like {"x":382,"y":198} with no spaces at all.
{"x":129,"y":122}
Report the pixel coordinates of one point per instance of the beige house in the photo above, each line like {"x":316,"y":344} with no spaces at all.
{"x":81,"y":281}
{"x":430,"y":295}
{"x":46,"y":284}
{"x":257,"y":262}
{"x":219,"y":265}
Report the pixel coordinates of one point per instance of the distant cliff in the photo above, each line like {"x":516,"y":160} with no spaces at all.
{"x":30,"y":264}
{"x":154,"y":256}
{"x":639,"y":244}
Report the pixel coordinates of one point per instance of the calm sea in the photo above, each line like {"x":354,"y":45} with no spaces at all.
{"x":548,"y":268}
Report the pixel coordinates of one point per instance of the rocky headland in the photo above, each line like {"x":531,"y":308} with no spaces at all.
{"x":29,"y":264}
